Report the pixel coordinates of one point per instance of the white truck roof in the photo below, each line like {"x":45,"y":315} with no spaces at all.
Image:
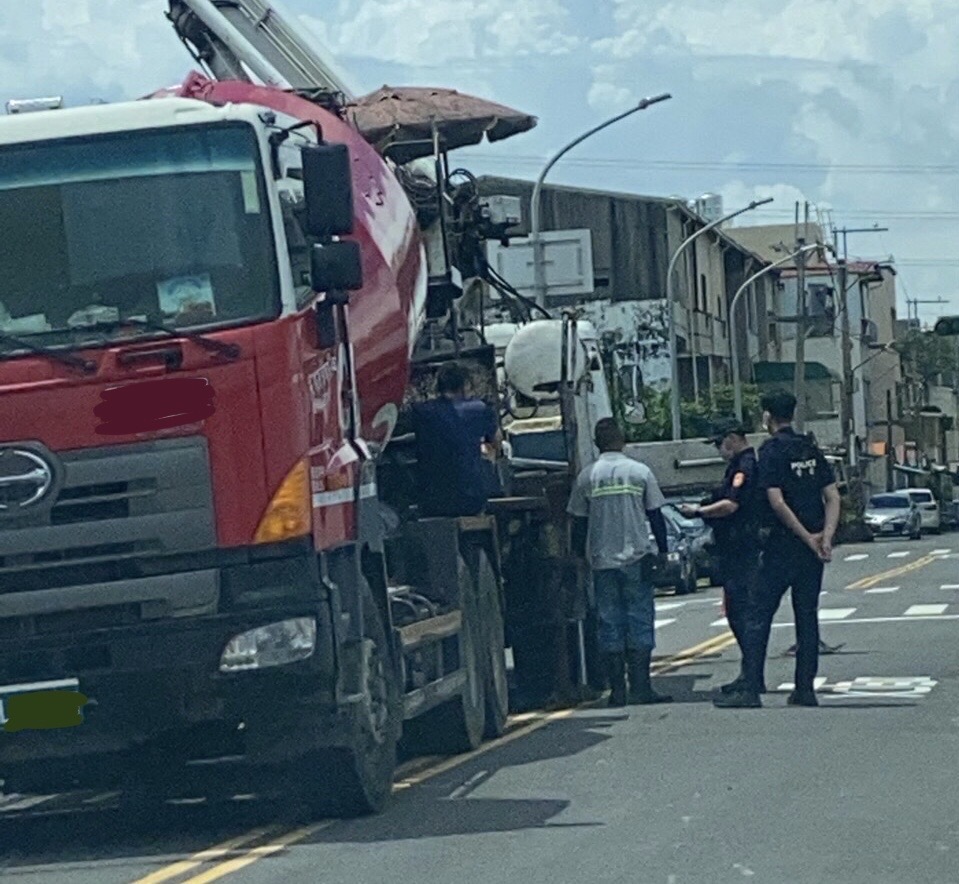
{"x":103,"y":119}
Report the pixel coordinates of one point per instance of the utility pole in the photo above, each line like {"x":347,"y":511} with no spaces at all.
{"x":848,"y":414}
{"x":848,"y":381}
{"x":799,"y":380}
{"x":889,"y":449}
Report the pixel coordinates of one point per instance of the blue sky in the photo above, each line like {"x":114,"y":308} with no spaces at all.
{"x":846,"y":103}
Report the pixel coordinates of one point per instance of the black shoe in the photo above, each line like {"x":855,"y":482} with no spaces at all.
{"x":802,"y":698}
{"x":739,"y":685}
{"x":648,"y":698}
{"x":739,"y":700}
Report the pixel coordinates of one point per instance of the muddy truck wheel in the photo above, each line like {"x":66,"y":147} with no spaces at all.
{"x":358,"y":779}
{"x":494,"y":653}
{"x":458,"y":725}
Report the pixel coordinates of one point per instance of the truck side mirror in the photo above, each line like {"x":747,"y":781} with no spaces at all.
{"x":336,"y":266}
{"x":328,"y":190}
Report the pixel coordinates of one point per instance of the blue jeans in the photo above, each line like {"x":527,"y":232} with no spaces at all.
{"x":625,"y":611}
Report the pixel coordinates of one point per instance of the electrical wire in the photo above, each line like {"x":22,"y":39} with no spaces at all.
{"x":719,"y":165}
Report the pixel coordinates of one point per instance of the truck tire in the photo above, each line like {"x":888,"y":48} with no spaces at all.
{"x":494,"y":647}
{"x":358,"y":779}
{"x":457,"y":726}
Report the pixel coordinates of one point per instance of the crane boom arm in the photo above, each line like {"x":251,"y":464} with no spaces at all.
{"x":236,"y":38}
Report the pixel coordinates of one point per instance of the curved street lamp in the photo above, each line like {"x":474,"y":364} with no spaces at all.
{"x":539,"y":264}
{"x":731,"y":320}
{"x":671,"y":312}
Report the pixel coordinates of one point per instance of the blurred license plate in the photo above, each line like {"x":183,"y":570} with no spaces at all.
{"x":41,"y":705}
{"x":888,"y":528}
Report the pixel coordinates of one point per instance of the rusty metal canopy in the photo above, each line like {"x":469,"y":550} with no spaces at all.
{"x":404,"y":120}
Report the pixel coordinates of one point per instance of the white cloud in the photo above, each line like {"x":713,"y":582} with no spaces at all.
{"x":427,"y":33}
{"x":113,"y":49}
{"x":855,"y":83}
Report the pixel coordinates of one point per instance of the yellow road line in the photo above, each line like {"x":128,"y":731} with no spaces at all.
{"x":168,"y":873}
{"x":257,"y":853}
{"x":521,"y":725}
{"x":868,"y":582}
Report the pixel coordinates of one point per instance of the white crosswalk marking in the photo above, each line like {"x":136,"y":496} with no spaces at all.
{"x":882,"y":590}
{"x":661,"y":623}
{"x":835,"y":613}
{"x":925,"y":610}
{"x":669,"y":606}
{"x":950,"y":586}
{"x":26,"y":803}
{"x":722,"y":621}
{"x":897,"y":555}
{"x":787,"y":687}
{"x":940,"y":552}
{"x":858,"y":557}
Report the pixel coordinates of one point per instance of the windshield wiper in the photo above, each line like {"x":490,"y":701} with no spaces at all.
{"x":68,"y":359}
{"x":231,"y":351}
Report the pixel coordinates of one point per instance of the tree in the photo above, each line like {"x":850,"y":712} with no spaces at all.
{"x":697,"y":418}
{"x":926,"y":356}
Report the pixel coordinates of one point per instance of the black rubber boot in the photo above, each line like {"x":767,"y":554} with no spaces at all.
{"x":641,"y":691}
{"x":616,"y":673}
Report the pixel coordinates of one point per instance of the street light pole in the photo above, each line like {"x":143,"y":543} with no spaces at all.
{"x":674,"y":397}
{"x":737,"y":386}
{"x":539,"y":262}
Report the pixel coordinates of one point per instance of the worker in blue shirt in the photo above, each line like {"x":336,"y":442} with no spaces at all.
{"x":803,"y":513}
{"x":457,"y":436}
{"x":733,"y":514}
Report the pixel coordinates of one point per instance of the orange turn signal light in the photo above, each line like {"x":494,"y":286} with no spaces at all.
{"x":290,"y":513}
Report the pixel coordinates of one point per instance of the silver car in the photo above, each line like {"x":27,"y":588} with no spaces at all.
{"x":893,"y":515}
{"x":928,"y":508}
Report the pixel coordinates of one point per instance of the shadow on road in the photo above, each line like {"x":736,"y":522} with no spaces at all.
{"x":439,"y":806}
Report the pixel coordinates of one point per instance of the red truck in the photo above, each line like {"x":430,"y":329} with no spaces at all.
{"x":210,"y":328}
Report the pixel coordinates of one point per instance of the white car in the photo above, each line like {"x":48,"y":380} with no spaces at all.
{"x":928,"y":508}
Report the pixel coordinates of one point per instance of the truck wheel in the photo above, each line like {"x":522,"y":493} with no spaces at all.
{"x":358,"y":779}
{"x":457,"y":726}
{"x":491,"y":617}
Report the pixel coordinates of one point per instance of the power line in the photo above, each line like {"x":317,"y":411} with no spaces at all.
{"x":719,"y":165}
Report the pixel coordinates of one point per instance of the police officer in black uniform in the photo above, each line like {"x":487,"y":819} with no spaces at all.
{"x":803,"y":512}
{"x":733,"y":514}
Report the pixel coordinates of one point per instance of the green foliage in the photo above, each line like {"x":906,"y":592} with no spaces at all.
{"x":927,"y":356}
{"x":697,"y":418}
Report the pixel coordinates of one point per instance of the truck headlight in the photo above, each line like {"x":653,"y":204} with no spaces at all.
{"x":275,"y":645}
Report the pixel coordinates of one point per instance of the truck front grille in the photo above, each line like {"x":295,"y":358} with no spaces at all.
{"x":118,"y":504}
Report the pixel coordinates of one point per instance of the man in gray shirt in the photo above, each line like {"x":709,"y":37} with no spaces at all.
{"x":616,"y":504}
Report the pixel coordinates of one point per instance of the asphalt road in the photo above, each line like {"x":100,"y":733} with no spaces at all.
{"x":862,"y":789}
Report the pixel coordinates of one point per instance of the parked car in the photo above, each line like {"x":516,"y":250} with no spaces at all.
{"x":893,"y":515}
{"x":700,"y":538}
{"x":679,"y":570}
{"x":928,"y":508}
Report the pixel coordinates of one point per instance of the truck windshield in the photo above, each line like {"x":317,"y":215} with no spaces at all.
{"x":169,"y":226}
